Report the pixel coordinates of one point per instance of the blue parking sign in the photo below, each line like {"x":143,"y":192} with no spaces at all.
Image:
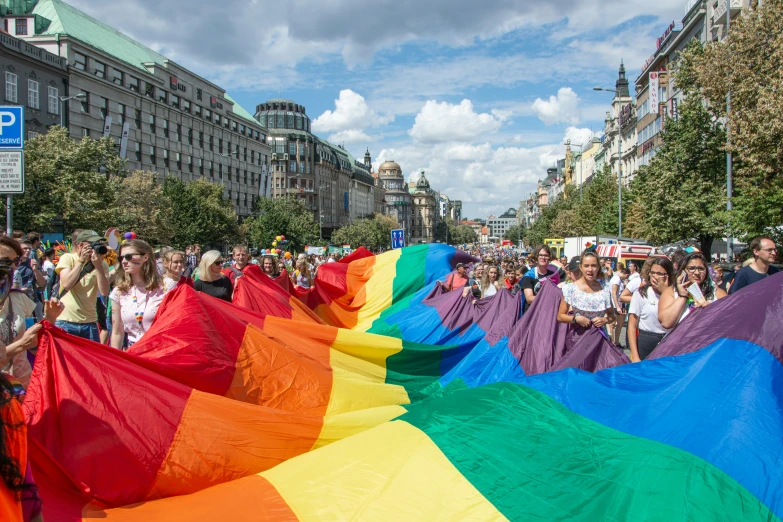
{"x":398,"y":238}
{"x":11,"y":128}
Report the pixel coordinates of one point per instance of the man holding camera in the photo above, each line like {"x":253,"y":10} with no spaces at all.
{"x":83,"y":274}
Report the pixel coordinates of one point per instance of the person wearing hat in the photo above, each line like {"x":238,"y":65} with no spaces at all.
{"x":83,"y":276}
{"x":456,"y":281}
{"x":573,"y":272}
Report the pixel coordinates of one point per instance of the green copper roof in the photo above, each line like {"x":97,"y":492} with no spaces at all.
{"x":240,"y":111}
{"x":67,"y":20}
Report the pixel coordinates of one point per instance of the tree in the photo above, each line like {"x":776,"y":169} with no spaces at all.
{"x":199,"y":213}
{"x":143,"y":208}
{"x":442,"y":231}
{"x":680,"y":194}
{"x":463,"y":234}
{"x":748,"y":65}
{"x":282,"y":216}
{"x":516,"y":233}
{"x":63,"y":178}
{"x":372,"y":234}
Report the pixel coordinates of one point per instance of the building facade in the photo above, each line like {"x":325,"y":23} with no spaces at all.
{"x":399,"y":203}
{"x":33,"y":78}
{"x":379,"y":193}
{"x":498,"y":226}
{"x":425,"y":212}
{"x":163,"y":117}
{"x":456,"y":210}
{"x":620,"y":124}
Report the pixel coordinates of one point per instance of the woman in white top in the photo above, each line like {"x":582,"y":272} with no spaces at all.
{"x":677,"y":301}
{"x":587,"y":302}
{"x":138,"y":294}
{"x":491,"y":281}
{"x":643,"y":313}
{"x":616,"y":287}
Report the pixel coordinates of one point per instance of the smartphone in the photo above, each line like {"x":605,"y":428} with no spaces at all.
{"x":685,"y":279}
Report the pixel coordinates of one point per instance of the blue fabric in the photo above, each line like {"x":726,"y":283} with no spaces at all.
{"x":723,"y":403}
{"x":85,"y":331}
{"x":485,"y":364}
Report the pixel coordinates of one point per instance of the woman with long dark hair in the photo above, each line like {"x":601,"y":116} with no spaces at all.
{"x":644,"y":330}
{"x":138,"y":293}
{"x":587,"y":302}
{"x":692,"y":288}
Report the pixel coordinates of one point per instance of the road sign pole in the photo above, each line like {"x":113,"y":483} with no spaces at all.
{"x":9,"y":217}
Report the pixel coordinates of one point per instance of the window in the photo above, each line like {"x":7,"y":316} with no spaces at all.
{"x":86,"y":103}
{"x":289,"y":120}
{"x":152,"y":123}
{"x":211,"y":169}
{"x":32,"y":94}
{"x":234,"y":126}
{"x":190,"y":136}
{"x":292,"y":166}
{"x":133,"y":83}
{"x":190,"y":163}
{"x":149,"y":91}
{"x":280,"y":120}
{"x":117,"y":77}
{"x":236,"y":150}
{"x":302,"y":167}
{"x":137,"y":118}
{"x":31,"y":135}
{"x":85,"y":133}
{"x":178,"y":135}
{"x":292,"y":148}
{"x":201,"y":139}
{"x":252,"y":156}
{"x":21,"y":26}
{"x":217,"y":119}
{"x":80,"y":61}
{"x":166,"y":128}
{"x":165,"y":157}
{"x":212,"y":143}
{"x":163,"y":96}
{"x":241,"y":129}
{"x":252,"y":178}
{"x":175,"y":101}
{"x":262,"y":119}
{"x":201,"y":166}
{"x":220,"y":146}
{"x":220,"y":172}
{"x":197,"y":110}
{"x":104,"y":107}
{"x":152,"y":154}
{"x":10,"y":87}
{"x":121,"y":111}
{"x":100,"y":69}
{"x":298,"y":122}
{"x":185,"y":105}
{"x":245,"y":178}
{"x":54,"y":100}
{"x":207,"y":114}
{"x":226,"y":122}
{"x":245,"y":156}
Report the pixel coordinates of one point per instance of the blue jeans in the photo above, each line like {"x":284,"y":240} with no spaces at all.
{"x":83,"y":330}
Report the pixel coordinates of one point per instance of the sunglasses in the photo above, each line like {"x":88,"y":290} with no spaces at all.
{"x":219,"y":262}
{"x":8,"y":262}
{"x":129,"y":257}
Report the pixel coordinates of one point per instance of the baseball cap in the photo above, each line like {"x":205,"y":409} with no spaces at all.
{"x":573,"y":265}
{"x":88,"y":236}
{"x":460,"y":265}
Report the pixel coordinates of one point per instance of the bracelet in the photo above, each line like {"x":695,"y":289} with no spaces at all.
{"x":573,"y":320}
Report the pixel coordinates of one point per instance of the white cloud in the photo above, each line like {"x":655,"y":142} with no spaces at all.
{"x":563,"y":108}
{"x":350,"y":136}
{"x":444,"y":122}
{"x":350,"y":112}
{"x":578,"y":136}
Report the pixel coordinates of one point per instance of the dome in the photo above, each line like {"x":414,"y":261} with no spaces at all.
{"x":386,"y":166}
{"x":423,"y":183}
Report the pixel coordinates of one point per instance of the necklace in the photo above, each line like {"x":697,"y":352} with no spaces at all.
{"x":138,"y":315}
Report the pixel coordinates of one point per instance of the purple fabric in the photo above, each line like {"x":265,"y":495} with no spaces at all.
{"x":31,"y":502}
{"x":496,"y":315}
{"x":541,"y":344}
{"x":753,"y":314}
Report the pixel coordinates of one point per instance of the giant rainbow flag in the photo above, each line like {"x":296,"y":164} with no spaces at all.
{"x":396,"y":400}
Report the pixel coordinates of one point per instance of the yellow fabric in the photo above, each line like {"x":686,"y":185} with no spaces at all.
{"x":81,"y":300}
{"x":369,"y":347}
{"x":391,"y":472}
{"x":338,"y":427}
{"x":379,"y":289}
{"x":359,"y":384}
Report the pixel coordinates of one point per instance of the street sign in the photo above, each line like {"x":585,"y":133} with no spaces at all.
{"x":11,"y":128}
{"x":398,"y":238}
{"x":11,"y":172}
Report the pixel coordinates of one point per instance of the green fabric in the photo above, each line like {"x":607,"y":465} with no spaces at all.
{"x":416,"y":367}
{"x":536,"y":460}
{"x":410,"y":268}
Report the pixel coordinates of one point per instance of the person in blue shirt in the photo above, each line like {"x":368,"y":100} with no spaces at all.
{"x":764,"y":254}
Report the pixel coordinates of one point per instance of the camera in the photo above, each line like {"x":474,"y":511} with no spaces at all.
{"x":99,"y":248}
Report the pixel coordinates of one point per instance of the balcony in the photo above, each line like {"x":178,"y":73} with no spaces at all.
{"x":719,"y":13}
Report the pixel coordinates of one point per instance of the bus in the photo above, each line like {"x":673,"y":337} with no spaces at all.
{"x":556,"y":245}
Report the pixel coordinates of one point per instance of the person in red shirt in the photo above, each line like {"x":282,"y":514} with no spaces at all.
{"x":511,"y":276}
{"x":457,"y":280}
{"x":241,"y":262}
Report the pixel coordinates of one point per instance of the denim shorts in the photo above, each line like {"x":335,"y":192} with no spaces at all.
{"x":83,"y":330}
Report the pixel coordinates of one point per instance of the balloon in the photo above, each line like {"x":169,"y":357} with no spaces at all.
{"x":282,"y":238}
{"x":274,"y":243}
{"x":288,"y":255}
{"x":128,"y":235}
{"x":277,"y":238}
{"x":278,"y":251}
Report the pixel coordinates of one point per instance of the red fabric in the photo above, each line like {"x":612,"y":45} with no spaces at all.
{"x":232,"y":275}
{"x":108,"y":421}
{"x":331,"y":280}
{"x":265,"y":296}
{"x":15,"y":436}
{"x":185,"y":281}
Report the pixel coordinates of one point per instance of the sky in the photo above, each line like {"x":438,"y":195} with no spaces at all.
{"x":481,"y":95}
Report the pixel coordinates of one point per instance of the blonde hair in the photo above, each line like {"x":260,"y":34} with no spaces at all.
{"x":168,"y":256}
{"x":149,"y":271}
{"x":485,"y":282}
{"x":208,"y":259}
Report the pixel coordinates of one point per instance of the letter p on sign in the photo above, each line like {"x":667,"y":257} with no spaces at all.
{"x":7,"y":119}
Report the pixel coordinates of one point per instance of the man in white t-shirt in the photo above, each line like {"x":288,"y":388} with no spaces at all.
{"x":632,"y":284}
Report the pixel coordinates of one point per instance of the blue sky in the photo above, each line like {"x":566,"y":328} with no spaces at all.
{"x":480,"y":95}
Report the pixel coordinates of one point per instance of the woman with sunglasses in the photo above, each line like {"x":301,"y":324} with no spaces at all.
{"x":15,"y":309}
{"x":644,"y":330}
{"x":211,"y":279}
{"x":138,"y":293}
{"x":174,"y":263}
{"x":677,"y":301}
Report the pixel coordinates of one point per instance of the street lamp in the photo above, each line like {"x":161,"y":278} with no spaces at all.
{"x":619,"y":168}
{"x":64,"y":99}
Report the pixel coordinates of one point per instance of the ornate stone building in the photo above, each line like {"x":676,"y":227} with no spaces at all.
{"x":398,"y":199}
{"x":425,"y":212}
